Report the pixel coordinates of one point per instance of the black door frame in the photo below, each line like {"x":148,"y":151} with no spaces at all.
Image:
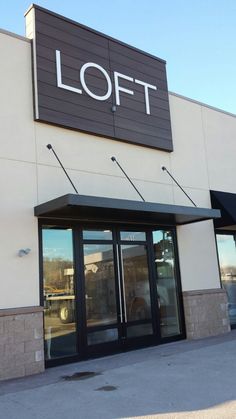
{"x":81,"y":331}
{"x":226,"y":233}
{"x":123,"y":343}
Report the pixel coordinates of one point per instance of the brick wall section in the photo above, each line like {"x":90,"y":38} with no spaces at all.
{"x":21,"y":342}
{"x":206,"y":313}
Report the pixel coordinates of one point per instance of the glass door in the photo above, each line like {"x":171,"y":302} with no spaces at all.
{"x":226,"y":245}
{"x":117,"y":288}
{"x":100,"y":293}
{"x":135,"y":286}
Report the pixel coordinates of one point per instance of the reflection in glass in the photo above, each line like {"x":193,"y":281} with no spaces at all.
{"x":166,"y":282}
{"x":136,"y":282}
{"x":102,"y":336}
{"x":99,"y":284}
{"x":227,"y":259}
{"x":133,"y":235}
{"x":59,"y":293}
{"x":139,"y":330}
{"x":97,"y":234}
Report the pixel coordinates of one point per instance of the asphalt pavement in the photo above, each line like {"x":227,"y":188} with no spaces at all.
{"x":187,"y":379}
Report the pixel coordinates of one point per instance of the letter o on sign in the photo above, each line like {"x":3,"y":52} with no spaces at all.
{"x":85,"y":87}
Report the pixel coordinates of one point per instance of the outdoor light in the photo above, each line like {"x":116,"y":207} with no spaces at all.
{"x":24,"y":252}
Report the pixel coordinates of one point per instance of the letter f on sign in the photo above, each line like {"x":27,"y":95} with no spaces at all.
{"x":119,"y":88}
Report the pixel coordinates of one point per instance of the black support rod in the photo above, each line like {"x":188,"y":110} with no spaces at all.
{"x":49,"y":146}
{"x":172,"y":177}
{"x":118,"y":164}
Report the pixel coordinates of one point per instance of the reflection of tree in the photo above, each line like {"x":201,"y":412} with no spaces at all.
{"x":54,"y":269}
{"x":163,"y":249}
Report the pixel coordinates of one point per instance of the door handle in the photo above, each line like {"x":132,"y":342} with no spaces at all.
{"x":119,"y":287}
{"x":123,"y":285}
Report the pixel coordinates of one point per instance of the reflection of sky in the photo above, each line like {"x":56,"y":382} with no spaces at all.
{"x":157,"y":236}
{"x":226,"y":249}
{"x":133,"y":235}
{"x":57,"y":244}
{"x":97,"y":248}
{"x":97,"y":234}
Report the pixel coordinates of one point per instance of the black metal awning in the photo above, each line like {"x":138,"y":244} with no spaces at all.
{"x":92,"y":208}
{"x":226,"y":203}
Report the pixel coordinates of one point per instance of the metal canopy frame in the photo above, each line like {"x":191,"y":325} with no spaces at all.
{"x":226,"y":203}
{"x":93,"y":208}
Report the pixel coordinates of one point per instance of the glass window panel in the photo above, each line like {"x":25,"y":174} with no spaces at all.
{"x":136,"y":282}
{"x":227,"y":259}
{"x":97,"y":234}
{"x":100,"y":284}
{"x":102,"y":336}
{"x":139,"y":330}
{"x":133,"y":235}
{"x":166,"y":282}
{"x":59,"y":293}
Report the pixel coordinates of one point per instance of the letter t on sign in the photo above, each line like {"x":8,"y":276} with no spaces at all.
{"x":146,"y":87}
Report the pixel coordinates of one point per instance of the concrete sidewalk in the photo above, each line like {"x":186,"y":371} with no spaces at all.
{"x":194,"y":379}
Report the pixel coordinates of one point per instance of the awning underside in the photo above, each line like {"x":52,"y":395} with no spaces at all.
{"x":226,"y":203}
{"x":91,"y":208}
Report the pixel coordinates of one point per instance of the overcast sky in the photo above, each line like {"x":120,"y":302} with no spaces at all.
{"x":197,"y":38}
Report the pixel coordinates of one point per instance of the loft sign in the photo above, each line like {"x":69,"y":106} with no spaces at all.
{"x":117,"y":83}
{"x":91,"y":83}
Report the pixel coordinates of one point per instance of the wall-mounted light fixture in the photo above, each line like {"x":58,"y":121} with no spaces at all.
{"x":24,"y":252}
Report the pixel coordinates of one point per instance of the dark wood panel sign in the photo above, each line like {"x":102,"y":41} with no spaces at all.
{"x":87,"y":81}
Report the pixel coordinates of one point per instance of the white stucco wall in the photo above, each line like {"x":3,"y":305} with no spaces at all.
{"x":203,"y":158}
{"x":197,"y":256}
{"x":18,"y":182}
{"x":220,"y":134}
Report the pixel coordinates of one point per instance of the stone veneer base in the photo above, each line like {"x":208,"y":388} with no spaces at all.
{"x":22,"y":337}
{"x":21,"y":342}
{"x":206,"y":313}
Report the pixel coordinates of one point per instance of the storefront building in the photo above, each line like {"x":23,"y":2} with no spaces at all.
{"x":118,"y":201}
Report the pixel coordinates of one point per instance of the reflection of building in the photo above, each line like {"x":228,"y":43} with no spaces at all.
{"x":227,"y":259}
{"x":159,"y":278}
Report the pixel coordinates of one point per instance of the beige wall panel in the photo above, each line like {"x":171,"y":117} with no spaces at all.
{"x":19,"y":275}
{"x":93,"y":154}
{"x":156,"y":192}
{"x":188,"y":161}
{"x":52,"y":183}
{"x":201,"y":197}
{"x":197,"y":256}
{"x":96,"y":184}
{"x":16,"y":105}
{"x":220,"y":138}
